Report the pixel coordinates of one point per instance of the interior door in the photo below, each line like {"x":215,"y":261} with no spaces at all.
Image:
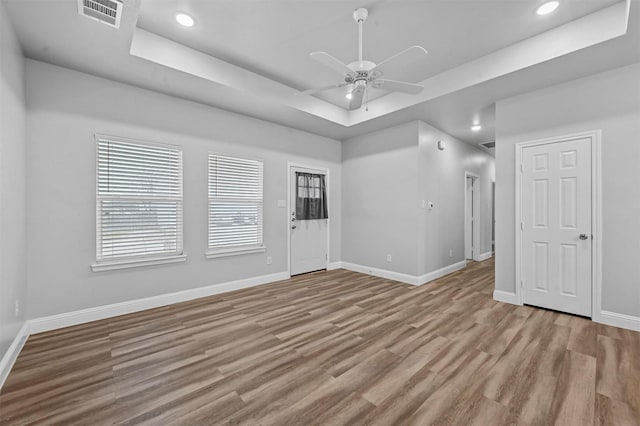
{"x":308,"y":236}
{"x":556,"y":226}
{"x":468,"y":213}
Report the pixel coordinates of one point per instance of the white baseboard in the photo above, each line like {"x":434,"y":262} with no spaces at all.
{"x":404,"y":278}
{"x":505,"y":296}
{"x":9,"y":358}
{"x":334,"y":265}
{"x":382,"y":273}
{"x":485,"y":256}
{"x":434,"y":275}
{"x":620,"y":320}
{"x":82,"y":316}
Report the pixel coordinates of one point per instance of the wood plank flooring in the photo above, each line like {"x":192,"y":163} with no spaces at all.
{"x":332,"y":348}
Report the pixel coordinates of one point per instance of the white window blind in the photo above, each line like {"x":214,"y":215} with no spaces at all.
{"x":235,"y":203}
{"x":139,"y":200}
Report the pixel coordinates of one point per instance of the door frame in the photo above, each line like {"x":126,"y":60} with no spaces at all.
{"x":325,"y":171}
{"x":475,"y":249}
{"x":596,"y":212}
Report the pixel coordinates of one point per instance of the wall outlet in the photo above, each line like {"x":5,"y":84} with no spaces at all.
{"x":268,"y":260}
{"x":450,"y":253}
{"x":17,"y":308}
{"x":388,"y":258}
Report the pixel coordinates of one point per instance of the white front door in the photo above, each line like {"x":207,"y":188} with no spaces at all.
{"x":556,"y":226}
{"x":308,"y":236}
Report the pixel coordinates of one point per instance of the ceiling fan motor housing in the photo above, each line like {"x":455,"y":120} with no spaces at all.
{"x":361,"y":66}
{"x":362,"y":72}
{"x":364,"y":76}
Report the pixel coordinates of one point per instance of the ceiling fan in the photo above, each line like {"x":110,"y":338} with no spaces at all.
{"x":360,"y":75}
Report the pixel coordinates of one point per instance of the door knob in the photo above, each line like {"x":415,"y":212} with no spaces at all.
{"x":293,"y":227}
{"x":584,"y":237}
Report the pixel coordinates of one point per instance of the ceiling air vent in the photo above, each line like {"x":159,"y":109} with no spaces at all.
{"x":489,"y":144}
{"x":105,"y":11}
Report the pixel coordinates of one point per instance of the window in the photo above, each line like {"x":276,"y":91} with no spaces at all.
{"x":235,"y":205}
{"x":309,"y":185}
{"x":311,"y":197}
{"x":138,"y":203}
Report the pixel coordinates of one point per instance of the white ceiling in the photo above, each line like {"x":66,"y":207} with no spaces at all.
{"x":274,"y":38}
{"x":271,"y":39}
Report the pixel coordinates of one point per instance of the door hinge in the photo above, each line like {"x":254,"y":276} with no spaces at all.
{"x":521,"y":168}
{"x":521,"y":283}
{"x":522,"y":226}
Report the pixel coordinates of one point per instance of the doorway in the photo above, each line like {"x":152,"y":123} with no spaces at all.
{"x":308,"y":219}
{"x":493,"y":217}
{"x":556,"y":220}
{"x":471,"y":216}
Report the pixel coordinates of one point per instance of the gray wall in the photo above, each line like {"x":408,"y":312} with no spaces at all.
{"x":379,"y":192}
{"x":442,"y":181}
{"x":386,"y":175}
{"x":65,"y":109}
{"x":13,"y":245}
{"x":611,"y":102}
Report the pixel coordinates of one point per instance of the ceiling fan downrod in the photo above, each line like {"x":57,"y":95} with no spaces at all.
{"x":360,"y":15}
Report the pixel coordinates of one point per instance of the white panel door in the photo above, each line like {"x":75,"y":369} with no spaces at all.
{"x":556,"y":226}
{"x":308,"y":237}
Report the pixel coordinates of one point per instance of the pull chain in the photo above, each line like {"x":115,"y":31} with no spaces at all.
{"x":366,"y":100}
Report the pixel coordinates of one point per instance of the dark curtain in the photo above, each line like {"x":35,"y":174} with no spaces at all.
{"x":311,"y":197}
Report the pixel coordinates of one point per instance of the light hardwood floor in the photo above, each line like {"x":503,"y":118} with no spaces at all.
{"x":332,"y":348}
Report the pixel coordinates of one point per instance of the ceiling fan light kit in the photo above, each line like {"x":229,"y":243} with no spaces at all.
{"x":362,"y":74}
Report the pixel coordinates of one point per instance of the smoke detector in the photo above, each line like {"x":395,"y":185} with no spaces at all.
{"x":105,"y":11}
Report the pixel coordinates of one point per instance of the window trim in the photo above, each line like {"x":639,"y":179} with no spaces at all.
{"x":142,"y":260}
{"x":214,"y":253}
{"x":126,"y":264}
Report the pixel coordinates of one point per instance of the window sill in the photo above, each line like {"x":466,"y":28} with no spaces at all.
{"x":126,"y":264}
{"x":214,"y":254}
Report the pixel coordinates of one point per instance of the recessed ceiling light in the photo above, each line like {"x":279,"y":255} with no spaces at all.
{"x":476,"y":127}
{"x":184,"y":19}
{"x":349,"y":95}
{"x":547,"y":8}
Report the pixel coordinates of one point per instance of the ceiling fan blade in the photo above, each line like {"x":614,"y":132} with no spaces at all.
{"x":320,"y":89}
{"x":401,"y":61}
{"x":398,"y":86}
{"x":356,"y":97}
{"x":331,"y":62}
